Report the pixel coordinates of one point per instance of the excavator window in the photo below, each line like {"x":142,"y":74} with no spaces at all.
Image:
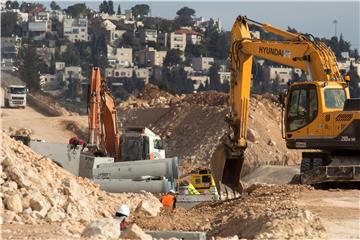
{"x":334,"y":98}
{"x":302,"y":108}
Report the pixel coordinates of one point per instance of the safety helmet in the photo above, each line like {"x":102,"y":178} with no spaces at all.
{"x":123,"y":210}
{"x":172,"y":191}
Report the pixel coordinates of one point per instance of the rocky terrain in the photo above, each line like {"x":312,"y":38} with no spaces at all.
{"x":34,"y":190}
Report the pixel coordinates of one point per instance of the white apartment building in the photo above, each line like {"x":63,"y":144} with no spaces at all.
{"x":119,"y":72}
{"x":120,"y":56}
{"x":177,"y":41}
{"x":76,"y":29}
{"x":284,"y":74}
{"x":148,"y":35}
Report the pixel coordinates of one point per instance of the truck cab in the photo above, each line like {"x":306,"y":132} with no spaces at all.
{"x":140,"y":143}
{"x":15,"y":96}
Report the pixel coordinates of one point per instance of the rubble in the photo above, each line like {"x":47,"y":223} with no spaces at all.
{"x":35,"y":190}
{"x":267,"y":213}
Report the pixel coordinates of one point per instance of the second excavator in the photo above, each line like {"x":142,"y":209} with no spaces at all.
{"x":318,"y":113}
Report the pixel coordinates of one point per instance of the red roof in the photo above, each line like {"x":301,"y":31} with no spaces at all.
{"x":187,"y":32}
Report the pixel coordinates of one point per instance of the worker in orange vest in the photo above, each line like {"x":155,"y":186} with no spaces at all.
{"x":169,"y":200}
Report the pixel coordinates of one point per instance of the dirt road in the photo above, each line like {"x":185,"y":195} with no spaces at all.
{"x":339,"y":210}
{"x":50,"y":129}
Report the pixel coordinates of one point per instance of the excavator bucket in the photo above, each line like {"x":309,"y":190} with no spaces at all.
{"x":226,"y":168}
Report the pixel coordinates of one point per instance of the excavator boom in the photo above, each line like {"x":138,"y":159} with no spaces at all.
{"x":104,"y":135}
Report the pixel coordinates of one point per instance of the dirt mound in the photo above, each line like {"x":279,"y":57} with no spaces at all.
{"x":151,"y":96}
{"x":209,"y":98}
{"x":193,"y":125}
{"x":34,"y":190}
{"x":267,"y":212}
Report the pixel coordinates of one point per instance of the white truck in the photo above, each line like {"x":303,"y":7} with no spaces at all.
{"x":15,"y":96}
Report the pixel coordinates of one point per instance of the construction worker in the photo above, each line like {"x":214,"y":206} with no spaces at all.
{"x":76,"y":141}
{"x":121,"y":214}
{"x":191,"y":190}
{"x":169,"y":200}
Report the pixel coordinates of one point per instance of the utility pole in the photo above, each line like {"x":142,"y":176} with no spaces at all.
{"x":335,"y":22}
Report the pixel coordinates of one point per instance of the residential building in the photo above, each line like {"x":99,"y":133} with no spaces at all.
{"x":48,"y":82}
{"x":73,"y":72}
{"x":143,"y":74}
{"x":282,"y":74}
{"x":147,"y":35}
{"x":115,"y":35}
{"x":162,"y":39}
{"x":59,"y":15}
{"x":202,"y":64}
{"x":109,"y":25}
{"x":151,"y":57}
{"x":177,"y":40}
{"x":119,"y":56}
{"x":119,"y":72}
{"x":224,"y":76}
{"x":10,"y":46}
{"x":192,"y":37}
{"x":198,"y":80}
{"x":76,"y":29}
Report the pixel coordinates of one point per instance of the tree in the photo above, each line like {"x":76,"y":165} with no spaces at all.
{"x":185,"y":16}
{"x":173,"y":57}
{"x":104,"y":7}
{"x":111,"y":8}
{"x":139,"y":11}
{"x":215,"y":83}
{"x":98,"y":44}
{"x":129,"y":40}
{"x":78,"y":10}
{"x":9,"y":25}
{"x":15,"y":5}
{"x":71,"y":56}
{"x":186,"y":11}
{"x":276,"y":85}
{"x":118,"y":10}
{"x":54,"y":6}
{"x":29,"y":67}
{"x":8,"y":5}
{"x":192,"y":50}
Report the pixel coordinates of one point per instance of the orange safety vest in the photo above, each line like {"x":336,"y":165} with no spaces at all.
{"x":167,"y":201}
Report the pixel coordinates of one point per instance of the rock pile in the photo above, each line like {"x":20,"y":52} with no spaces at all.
{"x":34,"y":190}
{"x":150,"y":97}
{"x":193,"y":124}
{"x":266,"y":212}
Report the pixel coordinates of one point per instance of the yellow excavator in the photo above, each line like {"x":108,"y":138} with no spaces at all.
{"x":318,"y":114}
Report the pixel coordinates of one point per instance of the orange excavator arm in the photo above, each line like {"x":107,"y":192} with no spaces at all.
{"x":103,"y":131}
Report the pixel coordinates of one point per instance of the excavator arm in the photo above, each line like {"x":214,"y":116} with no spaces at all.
{"x":103,"y":132}
{"x":296,"y":50}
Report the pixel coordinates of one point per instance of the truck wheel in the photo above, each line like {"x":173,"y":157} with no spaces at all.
{"x":305,"y":165}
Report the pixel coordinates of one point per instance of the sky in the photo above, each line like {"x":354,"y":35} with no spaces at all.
{"x":315,"y":17}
